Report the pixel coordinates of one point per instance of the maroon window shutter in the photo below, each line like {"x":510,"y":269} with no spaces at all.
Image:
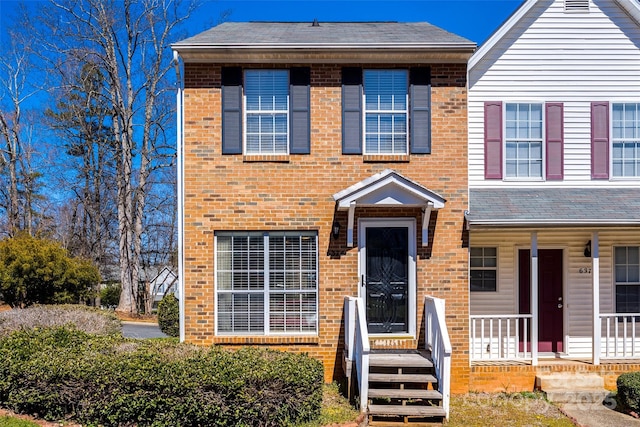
{"x":600,"y":140}
{"x":493,"y":140}
{"x":555,"y":140}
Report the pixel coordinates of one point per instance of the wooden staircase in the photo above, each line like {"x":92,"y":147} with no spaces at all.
{"x":403,"y":389}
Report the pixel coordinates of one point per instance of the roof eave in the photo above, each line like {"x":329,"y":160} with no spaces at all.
{"x":528,"y":223}
{"x":405,"y":53}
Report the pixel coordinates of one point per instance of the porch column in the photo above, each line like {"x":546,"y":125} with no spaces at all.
{"x":595,"y":280}
{"x":534,"y":298}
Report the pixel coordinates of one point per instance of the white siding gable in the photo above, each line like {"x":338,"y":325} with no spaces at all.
{"x":553,"y":55}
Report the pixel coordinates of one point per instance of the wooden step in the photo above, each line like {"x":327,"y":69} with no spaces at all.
{"x":407,"y":411}
{"x":392,"y":393}
{"x":400,"y":360}
{"x":402,"y":378}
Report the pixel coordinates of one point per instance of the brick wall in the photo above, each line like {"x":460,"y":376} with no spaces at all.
{"x":231,"y":192}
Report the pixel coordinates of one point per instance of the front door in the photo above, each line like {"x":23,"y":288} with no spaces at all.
{"x":386,"y":278}
{"x":550,"y":300}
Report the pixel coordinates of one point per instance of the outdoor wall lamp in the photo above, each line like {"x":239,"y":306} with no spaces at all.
{"x":587,"y":249}
{"x":336,"y":229}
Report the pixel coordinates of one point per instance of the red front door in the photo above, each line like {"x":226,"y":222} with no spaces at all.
{"x":550,"y":299}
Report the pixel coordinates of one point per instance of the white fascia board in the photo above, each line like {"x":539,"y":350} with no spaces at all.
{"x":378,"y":189}
{"x":552,"y":223}
{"x":631,"y":8}
{"x":500,"y":33}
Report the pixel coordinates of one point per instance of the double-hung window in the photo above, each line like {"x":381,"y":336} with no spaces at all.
{"x":386,"y":115}
{"x":483,"y":269}
{"x":627,"y":278}
{"x":266,"y":283}
{"x":626,"y":140}
{"x":523,"y":137}
{"x":266,"y":111}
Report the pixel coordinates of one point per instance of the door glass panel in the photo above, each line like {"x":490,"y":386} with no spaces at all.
{"x":387,"y":279}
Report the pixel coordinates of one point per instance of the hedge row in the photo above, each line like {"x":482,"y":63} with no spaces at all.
{"x":59,"y":373}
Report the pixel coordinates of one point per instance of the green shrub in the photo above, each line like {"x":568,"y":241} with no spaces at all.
{"x":629,"y":390}
{"x":34,"y":271}
{"x":83,"y":318}
{"x":169,"y":315}
{"x":110,"y":295}
{"x":114,"y":381}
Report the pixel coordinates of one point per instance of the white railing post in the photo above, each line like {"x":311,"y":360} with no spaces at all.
{"x":595,"y":280}
{"x":534,"y":299}
{"x":349,"y":326}
{"x":438,"y":343}
{"x":497,"y":337}
{"x":362,"y":351}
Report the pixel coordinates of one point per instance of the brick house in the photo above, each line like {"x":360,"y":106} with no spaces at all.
{"x":320,"y":161}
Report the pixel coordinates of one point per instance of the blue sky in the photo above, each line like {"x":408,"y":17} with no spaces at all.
{"x":473,"y":19}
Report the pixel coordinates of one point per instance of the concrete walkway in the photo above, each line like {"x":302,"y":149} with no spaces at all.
{"x":141,"y":330}
{"x":598,"y":415}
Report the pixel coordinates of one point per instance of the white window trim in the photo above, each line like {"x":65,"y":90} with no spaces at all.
{"x":612,"y":177}
{"x":245,"y":112}
{"x":614,"y":278}
{"x":485,"y":268}
{"x":542,"y":176}
{"x":365,"y":111}
{"x":266,"y":331}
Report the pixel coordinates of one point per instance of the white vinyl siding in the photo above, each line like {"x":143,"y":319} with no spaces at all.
{"x":554,"y":56}
{"x":577,"y":276}
{"x":386,"y":116}
{"x":266,"y":99}
{"x":266,"y":283}
{"x":625,"y":133}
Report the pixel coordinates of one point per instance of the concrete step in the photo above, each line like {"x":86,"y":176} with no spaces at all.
{"x":578,"y":397}
{"x":572,"y":387}
{"x":569,"y":381}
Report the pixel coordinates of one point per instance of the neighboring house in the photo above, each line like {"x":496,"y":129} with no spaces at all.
{"x":321,"y":161}
{"x":165,"y":282}
{"x":554,"y":177}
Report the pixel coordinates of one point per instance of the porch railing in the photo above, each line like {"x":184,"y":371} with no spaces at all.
{"x":438,"y":343}
{"x":500,"y":337}
{"x":620,"y":335}
{"x":357,"y":345}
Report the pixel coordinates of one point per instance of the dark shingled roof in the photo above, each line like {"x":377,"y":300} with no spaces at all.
{"x":554,"y":206}
{"x":326,"y":33}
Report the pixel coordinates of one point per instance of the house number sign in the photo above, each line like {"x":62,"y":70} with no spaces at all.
{"x":584,"y":270}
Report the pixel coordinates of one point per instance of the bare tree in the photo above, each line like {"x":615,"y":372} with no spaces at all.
{"x":128,"y":40}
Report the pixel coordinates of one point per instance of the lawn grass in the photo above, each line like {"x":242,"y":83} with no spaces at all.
{"x":335,"y":409}
{"x":7,"y":421}
{"x":505,"y":409}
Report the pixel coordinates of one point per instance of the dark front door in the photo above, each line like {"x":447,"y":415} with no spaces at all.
{"x":550,"y":299}
{"x":387,"y":279}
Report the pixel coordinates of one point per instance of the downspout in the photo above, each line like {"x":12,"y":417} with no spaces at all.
{"x":179,"y":185}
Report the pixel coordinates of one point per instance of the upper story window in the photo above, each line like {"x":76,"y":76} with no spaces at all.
{"x":386,"y":112}
{"x":625,"y":127}
{"x":523,"y":137}
{"x":266,"y":111}
{"x":266,"y":97}
{"x":524,"y":141}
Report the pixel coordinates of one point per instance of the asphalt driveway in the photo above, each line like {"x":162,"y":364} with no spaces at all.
{"x":142,"y":330}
